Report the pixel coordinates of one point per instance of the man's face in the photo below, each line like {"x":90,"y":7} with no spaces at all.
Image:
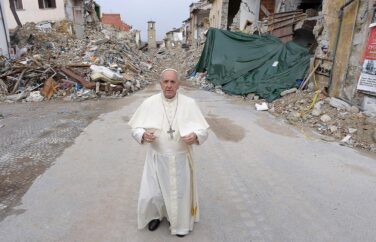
{"x":169,"y":84}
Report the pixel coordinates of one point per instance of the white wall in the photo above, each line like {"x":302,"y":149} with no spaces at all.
{"x":4,"y":34}
{"x":249,"y":10}
{"x":178,"y":36}
{"x":138,"y":37}
{"x":32,"y":13}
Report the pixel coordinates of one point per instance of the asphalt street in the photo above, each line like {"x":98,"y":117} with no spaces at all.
{"x":259,"y":179}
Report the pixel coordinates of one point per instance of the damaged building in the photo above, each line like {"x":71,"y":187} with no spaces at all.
{"x":174,"y":38}
{"x":114,"y":19}
{"x":34,"y":11}
{"x":335,"y":32}
{"x":199,"y":21}
{"x":79,"y":12}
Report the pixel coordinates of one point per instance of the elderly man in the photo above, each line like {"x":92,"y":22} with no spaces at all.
{"x":170,"y":123}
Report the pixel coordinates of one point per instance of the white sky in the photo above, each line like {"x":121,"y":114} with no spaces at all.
{"x":166,"y":13}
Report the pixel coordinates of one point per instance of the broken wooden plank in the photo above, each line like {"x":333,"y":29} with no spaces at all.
{"x":79,"y":65}
{"x":265,"y":10}
{"x":75,"y":77}
{"x":15,"y":87}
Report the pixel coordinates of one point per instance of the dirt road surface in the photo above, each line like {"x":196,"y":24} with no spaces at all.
{"x":259,"y":180}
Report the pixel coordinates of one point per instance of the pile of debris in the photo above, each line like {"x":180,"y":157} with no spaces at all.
{"x":182,"y":59}
{"x":52,"y":63}
{"x":199,"y":80}
{"x":335,"y":119}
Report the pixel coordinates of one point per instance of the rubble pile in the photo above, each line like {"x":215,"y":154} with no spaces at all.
{"x":193,"y":77}
{"x":52,"y":63}
{"x":183,"y":60}
{"x":335,"y":119}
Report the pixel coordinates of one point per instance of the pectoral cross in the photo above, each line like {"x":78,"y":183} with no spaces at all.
{"x":171,"y":132}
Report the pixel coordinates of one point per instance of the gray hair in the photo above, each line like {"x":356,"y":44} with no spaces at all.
{"x":170,"y":69}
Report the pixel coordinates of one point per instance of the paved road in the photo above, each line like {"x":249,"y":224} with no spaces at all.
{"x":33,"y":135}
{"x":260,"y":180}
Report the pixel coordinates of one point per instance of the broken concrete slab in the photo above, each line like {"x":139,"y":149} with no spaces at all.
{"x":339,"y":104}
{"x":316,"y":112}
{"x":333,"y":128}
{"x":369,"y":104}
{"x":34,"y":97}
{"x":293,"y":117}
{"x":346,"y":140}
{"x":318,"y":105}
{"x":325,"y":118}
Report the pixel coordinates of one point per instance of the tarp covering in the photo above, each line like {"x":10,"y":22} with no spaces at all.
{"x":243,"y":63}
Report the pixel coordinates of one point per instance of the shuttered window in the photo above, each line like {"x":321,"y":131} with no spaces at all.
{"x":18,"y":4}
{"x":47,"y":3}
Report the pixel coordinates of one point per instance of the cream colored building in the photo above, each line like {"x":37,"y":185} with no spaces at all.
{"x":137,"y":37}
{"x":215,"y":14}
{"x":199,"y":20}
{"x":35,"y":11}
{"x":152,"y":36}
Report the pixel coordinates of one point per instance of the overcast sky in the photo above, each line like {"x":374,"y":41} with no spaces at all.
{"x":166,"y":13}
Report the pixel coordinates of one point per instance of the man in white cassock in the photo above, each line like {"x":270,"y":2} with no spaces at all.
{"x":170,"y":123}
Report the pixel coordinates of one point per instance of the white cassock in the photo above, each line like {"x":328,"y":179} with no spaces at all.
{"x":168,"y":186}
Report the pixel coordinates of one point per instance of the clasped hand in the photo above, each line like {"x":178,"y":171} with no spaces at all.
{"x":188,"y":139}
{"x":148,"y":136}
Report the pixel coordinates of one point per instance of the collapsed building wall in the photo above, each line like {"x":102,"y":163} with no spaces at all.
{"x":340,"y":41}
{"x":340,"y":49}
{"x":215,"y":14}
{"x":74,"y":11}
{"x":249,"y":12}
{"x":241,"y":13}
{"x":287,"y":5}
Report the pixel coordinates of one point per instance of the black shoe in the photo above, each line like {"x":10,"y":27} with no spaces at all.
{"x":180,"y":235}
{"x":153,"y":225}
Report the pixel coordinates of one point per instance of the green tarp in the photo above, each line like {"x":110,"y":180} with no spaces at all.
{"x":244,"y":64}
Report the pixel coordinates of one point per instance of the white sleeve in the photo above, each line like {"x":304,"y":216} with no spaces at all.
{"x":202,"y":135}
{"x":137,"y":134}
